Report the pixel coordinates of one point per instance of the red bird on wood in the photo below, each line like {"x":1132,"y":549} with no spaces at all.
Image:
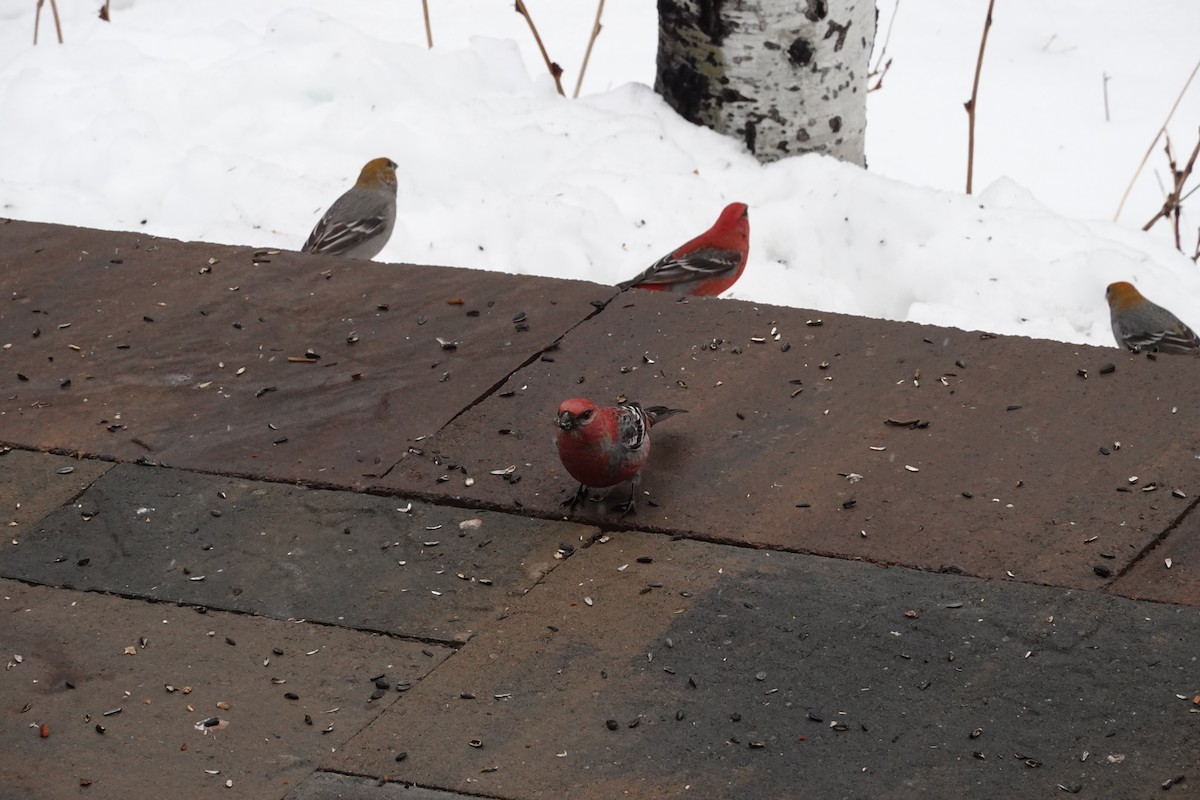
{"x":602,"y":447}
{"x":708,"y":264}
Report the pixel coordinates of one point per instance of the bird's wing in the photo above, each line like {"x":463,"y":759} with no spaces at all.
{"x":698,"y":265}
{"x":1179,"y":339}
{"x":632,"y":426}
{"x":339,"y":237}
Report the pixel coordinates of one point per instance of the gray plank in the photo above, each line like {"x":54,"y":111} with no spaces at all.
{"x":730,"y":672}
{"x":74,"y":672}
{"x":288,"y":552}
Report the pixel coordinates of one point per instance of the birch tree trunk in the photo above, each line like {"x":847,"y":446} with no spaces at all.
{"x":784,"y":76}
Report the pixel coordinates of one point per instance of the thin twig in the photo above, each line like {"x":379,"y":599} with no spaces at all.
{"x":1180,"y":178}
{"x":1157,"y":136}
{"x":1191,"y":192}
{"x":428,"y":30}
{"x":879,"y":76}
{"x":1162,"y":189}
{"x":877,"y":72}
{"x":555,"y":69}
{"x":57,"y":22}
{"x":1173,"y":206}
{"x":970,"y":104}
{"x":37,"y":18}
{"x":1106,"y":78}
{"x":588,"y":53}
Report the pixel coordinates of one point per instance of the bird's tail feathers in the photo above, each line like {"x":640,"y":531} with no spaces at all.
{"x":625,"y":286}
{"x":659,"y":413}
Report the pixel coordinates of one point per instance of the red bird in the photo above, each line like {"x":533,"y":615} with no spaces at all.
{"x":602,"y":447}
{"x":708,"y":264}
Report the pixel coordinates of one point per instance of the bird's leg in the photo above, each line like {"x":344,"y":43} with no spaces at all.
{"x":627,"y":507}
{"x":577,"y":498}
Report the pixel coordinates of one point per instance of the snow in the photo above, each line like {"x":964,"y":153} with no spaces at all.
{"x":241,"y":122}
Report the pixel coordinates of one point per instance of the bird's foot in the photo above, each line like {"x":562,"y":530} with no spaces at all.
{"x":627,"y":507}
{"x":577,"y":498}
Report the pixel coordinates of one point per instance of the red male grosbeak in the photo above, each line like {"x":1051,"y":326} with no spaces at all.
{"x":602,"y":447}
{"x":708,"y":264}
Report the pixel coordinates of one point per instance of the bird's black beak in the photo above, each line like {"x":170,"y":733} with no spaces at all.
{"x":566,"y":420}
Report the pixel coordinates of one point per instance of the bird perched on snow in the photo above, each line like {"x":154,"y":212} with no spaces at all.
{"x":1140,"y":324}
{"x":708,"y":264}
{"x":360,"y":222}
{"x":602,"y":447}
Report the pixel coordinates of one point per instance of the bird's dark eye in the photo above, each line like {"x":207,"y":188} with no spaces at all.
{"x":585,"y":416}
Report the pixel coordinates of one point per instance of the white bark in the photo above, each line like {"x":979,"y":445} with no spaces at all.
{"x":784,"y":76}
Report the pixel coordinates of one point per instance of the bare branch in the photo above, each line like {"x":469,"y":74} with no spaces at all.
{"x":588,"y":53}
{"x":1162,"y":129}
{"x":879,"y":77}
{"x":970,"y":104}
{"x":1172,"y":207}
{"x":428,"y":29}
{"x":57,"y":22}
{"x":555,"y":69}
{"x":37,"y":18}
{"x":878,"y":72}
